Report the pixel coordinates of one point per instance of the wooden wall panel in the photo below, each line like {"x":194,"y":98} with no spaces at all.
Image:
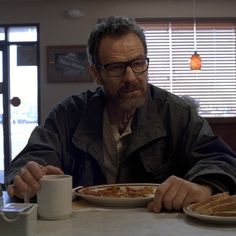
{"x":226,"y":129}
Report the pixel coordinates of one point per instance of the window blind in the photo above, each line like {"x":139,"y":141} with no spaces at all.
{"x":170,"y":46}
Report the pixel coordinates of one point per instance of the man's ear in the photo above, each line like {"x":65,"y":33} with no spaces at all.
{"x":95,"y":74}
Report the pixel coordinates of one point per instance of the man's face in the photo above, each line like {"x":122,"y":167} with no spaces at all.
{"x":128,"y":91}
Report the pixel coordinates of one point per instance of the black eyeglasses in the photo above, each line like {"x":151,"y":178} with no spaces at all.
{"x":118,"y":69}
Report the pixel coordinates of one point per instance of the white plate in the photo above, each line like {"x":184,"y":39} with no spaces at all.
{"x":210,"y":218}
{"x":116,"y":201}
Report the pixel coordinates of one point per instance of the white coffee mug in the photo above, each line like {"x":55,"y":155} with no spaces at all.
{"x":55,"y":197}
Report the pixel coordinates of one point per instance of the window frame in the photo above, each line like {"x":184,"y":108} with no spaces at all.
{"x":140,"y":21}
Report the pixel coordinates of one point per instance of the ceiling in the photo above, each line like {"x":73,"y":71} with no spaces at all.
{"x":25,"y":1}
{"x":19,"y":1}
{"x":15,"y":1}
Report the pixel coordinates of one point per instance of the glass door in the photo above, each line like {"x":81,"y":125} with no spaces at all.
{"x":19,"y":97}
{"x":23,"y":94}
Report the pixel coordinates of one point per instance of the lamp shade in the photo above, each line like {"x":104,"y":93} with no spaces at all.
{"x":195,"y":61}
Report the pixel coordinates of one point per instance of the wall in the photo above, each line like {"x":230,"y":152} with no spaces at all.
{"x":225,"y":129}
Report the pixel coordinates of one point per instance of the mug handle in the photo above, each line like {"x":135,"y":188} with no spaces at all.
{"x":74,"y":196}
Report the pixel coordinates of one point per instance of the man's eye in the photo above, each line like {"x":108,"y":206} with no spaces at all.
{"x":138,"y":63}
{"x":116,"y":67}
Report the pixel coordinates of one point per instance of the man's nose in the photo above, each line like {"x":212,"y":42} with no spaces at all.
{"x":129,"y":74}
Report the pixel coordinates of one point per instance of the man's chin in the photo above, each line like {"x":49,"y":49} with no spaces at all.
{"x":132,"y":103}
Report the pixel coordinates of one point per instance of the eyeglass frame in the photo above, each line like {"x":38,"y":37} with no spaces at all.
{"x":126,"y":64}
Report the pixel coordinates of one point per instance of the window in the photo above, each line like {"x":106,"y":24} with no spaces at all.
{"x":2,"y":33}
{"x":23,"y":34}
{"x":170,"y":46}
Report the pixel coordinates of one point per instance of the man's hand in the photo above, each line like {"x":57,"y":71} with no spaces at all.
{"x":175,"y":193}
{"x":27,"y":181}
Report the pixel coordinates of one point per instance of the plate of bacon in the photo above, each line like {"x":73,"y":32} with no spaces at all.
{"x":118,"y":195}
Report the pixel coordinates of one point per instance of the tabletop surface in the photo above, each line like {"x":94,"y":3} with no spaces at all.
{"x":138,"y":222}
{"x":93,"y":220}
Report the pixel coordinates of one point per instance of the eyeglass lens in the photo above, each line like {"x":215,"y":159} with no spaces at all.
{"x":119,"y":68}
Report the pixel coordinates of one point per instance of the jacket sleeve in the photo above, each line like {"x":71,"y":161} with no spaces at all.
{"x":212,"y":161}
{"x":47,"y":144}
{"x":43,"y":147}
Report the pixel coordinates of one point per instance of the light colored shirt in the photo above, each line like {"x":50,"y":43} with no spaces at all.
{"x":114,"y":145}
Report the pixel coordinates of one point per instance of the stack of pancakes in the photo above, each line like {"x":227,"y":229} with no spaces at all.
{"x":221,"y":204}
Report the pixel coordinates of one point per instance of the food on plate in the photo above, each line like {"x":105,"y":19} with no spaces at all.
{"x":221,"y":204}
{"x":202,"y":205}
{"x":120,"y":191}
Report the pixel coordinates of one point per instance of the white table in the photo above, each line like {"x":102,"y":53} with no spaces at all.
{"x":90,"y":220}
{"x":130,"y":222}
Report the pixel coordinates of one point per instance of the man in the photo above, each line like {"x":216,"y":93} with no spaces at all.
{"x":126,"y":131}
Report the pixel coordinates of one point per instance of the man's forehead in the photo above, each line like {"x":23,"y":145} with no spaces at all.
{"x":128,"y":45}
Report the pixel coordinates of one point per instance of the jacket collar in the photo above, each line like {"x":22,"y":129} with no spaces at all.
{"x":146,"y":126}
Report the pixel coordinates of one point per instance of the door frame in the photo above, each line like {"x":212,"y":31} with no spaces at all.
{"x":6,"y":105}
{"x":5,"y":48}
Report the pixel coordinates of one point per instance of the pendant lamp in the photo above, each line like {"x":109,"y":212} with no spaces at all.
{"x":195,"y":60}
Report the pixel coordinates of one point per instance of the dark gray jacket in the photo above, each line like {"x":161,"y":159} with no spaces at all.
{"x":168,"y":138}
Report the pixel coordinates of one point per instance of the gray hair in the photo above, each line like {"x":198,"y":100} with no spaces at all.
{"x":112,"y":26}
